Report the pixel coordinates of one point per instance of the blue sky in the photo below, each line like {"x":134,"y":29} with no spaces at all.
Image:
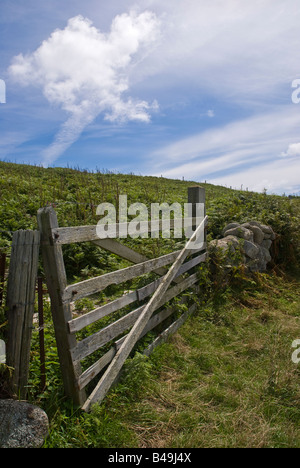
{"x":200,"y":89}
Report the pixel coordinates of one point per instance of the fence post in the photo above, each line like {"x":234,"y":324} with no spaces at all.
{"x":41,"y":333}
{"x":196,"y":195}
{"x":56,"y":280}
{"x":20,"y":305}
{"x":2,"y":275}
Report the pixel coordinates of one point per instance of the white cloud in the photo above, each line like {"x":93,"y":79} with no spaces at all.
{"x":293,"y":150}
{"x":204,"y":53}
{"x":85,"y":72}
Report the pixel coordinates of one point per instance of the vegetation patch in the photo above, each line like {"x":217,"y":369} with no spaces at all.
{"x":226,"y":378}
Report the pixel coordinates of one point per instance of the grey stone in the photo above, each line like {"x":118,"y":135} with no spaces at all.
{"x":227,"y":243}
{"x":254,"y":223}
{"x":222,"y":244}
{"x":266,"y":244}
{"x":22,"y":425}
{"x":250,"y":249}
{"x":240,"y":232}
{"x":252,"y":265}
{"x":266,"y":254}
{"x":232,"y":240}
{"x":268,"y":231}
{"x":229,"y":226}
{"x":258,"y":235}
{"x":258,"y":263}
{"x":252,"y":239}
{"x":230,"y":245}
{"x":261,"y":258}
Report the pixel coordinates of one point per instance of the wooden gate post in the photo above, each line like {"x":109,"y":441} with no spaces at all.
{"x":20,"y":305}
{"x":196,"y":194}
{"x":56,"y":280}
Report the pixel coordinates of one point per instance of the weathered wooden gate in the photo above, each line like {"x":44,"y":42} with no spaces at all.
{"x":142,"y":319}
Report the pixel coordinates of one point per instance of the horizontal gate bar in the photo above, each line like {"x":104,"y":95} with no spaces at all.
{"x":69,"y":235}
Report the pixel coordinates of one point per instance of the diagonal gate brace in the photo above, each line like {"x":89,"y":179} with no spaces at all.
{"x":117,"y":363}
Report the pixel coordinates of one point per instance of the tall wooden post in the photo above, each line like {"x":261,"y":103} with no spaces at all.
{"x":20,"y":305}
{"x":2,"y":275}
{"x":196,"y":195}
{"x":61,"y":311}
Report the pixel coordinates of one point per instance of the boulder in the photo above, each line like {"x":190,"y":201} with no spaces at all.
{"x":258,"y":235}
{"x":240,"y":232}
{"x":267,"y":255}
{"x":229,"y":226}
{"x":258,"y":263}
{"x":232,"y":240}
{"x":254,"y":223}
{"x":22,"y":425}
{"x":227,"y":243}
{"x":250,"y":249}
{"x":222,"y":244}
{"x":268,"y":232}
{"x":266,"y":244}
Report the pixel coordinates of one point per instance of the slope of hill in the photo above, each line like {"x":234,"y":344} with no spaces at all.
{"x":226,"y":378}
{"x":76,"y":193}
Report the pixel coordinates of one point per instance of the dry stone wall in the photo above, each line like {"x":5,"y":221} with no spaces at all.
{"x":252,"y":239}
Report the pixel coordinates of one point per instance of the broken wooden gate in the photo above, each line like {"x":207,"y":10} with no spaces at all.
{"x":142,"y":319}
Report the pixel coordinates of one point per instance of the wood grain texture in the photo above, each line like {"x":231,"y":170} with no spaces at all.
{"x":20,"y":304}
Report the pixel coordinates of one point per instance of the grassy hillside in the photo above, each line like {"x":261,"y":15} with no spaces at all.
{"x":226,"y":378}
{"x":75,"y":195}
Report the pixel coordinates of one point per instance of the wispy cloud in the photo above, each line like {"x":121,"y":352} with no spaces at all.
{"x":236,"y":150}
{"x":231,"y":48}
{"x":85,"y":72}
{"x":277,"y":176}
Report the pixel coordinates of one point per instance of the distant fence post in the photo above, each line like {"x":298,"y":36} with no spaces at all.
{"x":20,"y":305}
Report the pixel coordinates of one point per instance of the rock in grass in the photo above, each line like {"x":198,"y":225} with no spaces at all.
{"x":22,"y":425}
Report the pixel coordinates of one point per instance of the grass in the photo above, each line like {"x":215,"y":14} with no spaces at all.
{"x":230,"y":381}
{"x":226,"y":379}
